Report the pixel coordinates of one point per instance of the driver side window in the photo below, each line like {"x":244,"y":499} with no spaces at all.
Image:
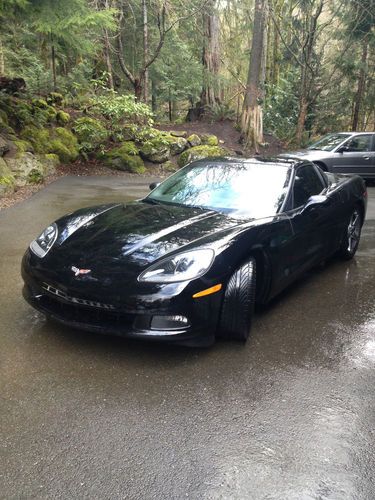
{"x":306,"y":183}
{"x":361,"y":143}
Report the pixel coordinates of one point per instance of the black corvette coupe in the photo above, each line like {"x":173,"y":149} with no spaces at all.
{"x":188,"y":262}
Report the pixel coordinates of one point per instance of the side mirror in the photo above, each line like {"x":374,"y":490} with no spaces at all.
{"x":153,"y":185}
{"x":316,"y":199}
{"x":343,"y":149}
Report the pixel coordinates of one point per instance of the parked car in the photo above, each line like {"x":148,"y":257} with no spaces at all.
{"x":342,"y":152}
{"x":188,"y":262}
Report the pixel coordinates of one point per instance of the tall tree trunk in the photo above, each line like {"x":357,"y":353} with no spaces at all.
{"x":107,"y":56}
{"x":2,"y":59}
{"x":210,"y":56}
{"x":53,"y":59}
{"x":308,"y":73}
{"x":252,"y":113}
{"x":303,"y":106}
{"x":154,"y":104}
{"x":145,"y":50}
{"x":361,"y":85}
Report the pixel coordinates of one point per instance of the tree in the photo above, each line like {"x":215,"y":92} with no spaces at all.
{"x":68,"y":23}
{"x":210,"y":56}
{"x":252,"y":117}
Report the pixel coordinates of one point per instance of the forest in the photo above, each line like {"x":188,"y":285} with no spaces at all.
{"x":76,"y":75}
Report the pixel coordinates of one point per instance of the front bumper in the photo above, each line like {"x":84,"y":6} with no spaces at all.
{"x":133,"y":322}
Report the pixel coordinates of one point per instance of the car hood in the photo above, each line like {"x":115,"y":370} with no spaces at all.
{"x":306,"y":154}
{"x":138,"y":233}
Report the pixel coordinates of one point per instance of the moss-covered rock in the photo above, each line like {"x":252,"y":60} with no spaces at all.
{"x":39,"y":138}
{"x":194,"y":140}
{"x":55,"y":99}
{"x":209,"y":140}
{"x":4,"y":146}
{"x":26,"y":165}
{"x":62,"y":117}
{"x":178,"y":133}
{"x":126,"y":158}
{"x":200,"y":152}
{"x":176,"y":144}
{"x":3,"y":117}
{"x":7,"y":181}
{"x":91,"y":134}
{"x":59,"y":141}
{"x":23,"y":146}
{"x":7,"y":132}
{"x":156,"y":150}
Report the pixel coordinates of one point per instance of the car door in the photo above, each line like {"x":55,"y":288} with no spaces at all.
{"x":313,"y":221}
{"x":356,"y":156}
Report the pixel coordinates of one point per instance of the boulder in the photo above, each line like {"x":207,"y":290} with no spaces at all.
{"x":194,"y":140}
{"x":178,"y":133}
{"x":4,"y":146}
{"x":209,"y":139}
{"x":200,"y":152}
{"x":177,"y":144}
{"x":125,"y":158}
{"x":27,"y":164}
{"x":156,"y":150}
{"x":7,"y":181}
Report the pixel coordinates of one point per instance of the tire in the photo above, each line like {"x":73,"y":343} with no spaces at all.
{"x":352,"y":235}
{"x":238,"y":303}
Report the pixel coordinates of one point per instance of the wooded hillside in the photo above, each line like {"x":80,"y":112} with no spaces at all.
{"x":295,"y":67}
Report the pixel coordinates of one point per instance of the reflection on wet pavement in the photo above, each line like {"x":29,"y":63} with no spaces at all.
{"x":290,"y":415}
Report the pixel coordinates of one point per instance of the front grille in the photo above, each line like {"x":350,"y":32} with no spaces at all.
{"x":75,"y":300}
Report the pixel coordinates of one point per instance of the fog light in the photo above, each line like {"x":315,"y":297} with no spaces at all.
{"x":169,"y":322}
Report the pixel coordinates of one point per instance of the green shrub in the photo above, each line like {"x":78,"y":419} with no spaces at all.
{"x":122,"y":109}
{"x":35,"y":177}
{"x":91,"y":134}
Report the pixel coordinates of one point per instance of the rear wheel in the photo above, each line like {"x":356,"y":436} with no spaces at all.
{"x":238,"y":303}
{"x":352,"y":235}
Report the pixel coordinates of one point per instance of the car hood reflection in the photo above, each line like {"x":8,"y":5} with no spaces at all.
{"x":139,"y":232}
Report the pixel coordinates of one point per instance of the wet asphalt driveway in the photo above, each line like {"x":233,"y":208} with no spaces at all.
{"x":290,"y":415}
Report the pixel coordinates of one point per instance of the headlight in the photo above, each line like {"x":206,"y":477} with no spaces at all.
{"x":181,"y":267}
{"x":42,"y":245}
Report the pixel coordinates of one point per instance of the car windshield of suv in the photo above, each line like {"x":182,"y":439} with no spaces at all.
{"x":329,"y":142}
{"x":252,"y":190}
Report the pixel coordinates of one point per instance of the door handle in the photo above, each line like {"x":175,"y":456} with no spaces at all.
{"x":366,"y":157}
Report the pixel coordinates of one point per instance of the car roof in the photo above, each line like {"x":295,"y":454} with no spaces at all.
{"x":256,"y":160}
{"x":350,"y":133}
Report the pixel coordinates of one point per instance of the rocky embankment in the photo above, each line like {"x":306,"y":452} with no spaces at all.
{"x":37,"y":135}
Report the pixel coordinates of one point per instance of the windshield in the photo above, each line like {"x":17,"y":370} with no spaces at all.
{"x":329,"y":142}
{"x":254,"y":190}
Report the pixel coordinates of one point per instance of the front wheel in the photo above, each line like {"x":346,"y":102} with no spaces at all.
{"x":352,"y":236}
{"x":238,"y":303}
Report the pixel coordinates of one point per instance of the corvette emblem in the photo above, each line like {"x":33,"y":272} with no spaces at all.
{"x":78,"y":272}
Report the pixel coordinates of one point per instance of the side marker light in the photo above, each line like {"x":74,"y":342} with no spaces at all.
{"x":208,"y":291}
